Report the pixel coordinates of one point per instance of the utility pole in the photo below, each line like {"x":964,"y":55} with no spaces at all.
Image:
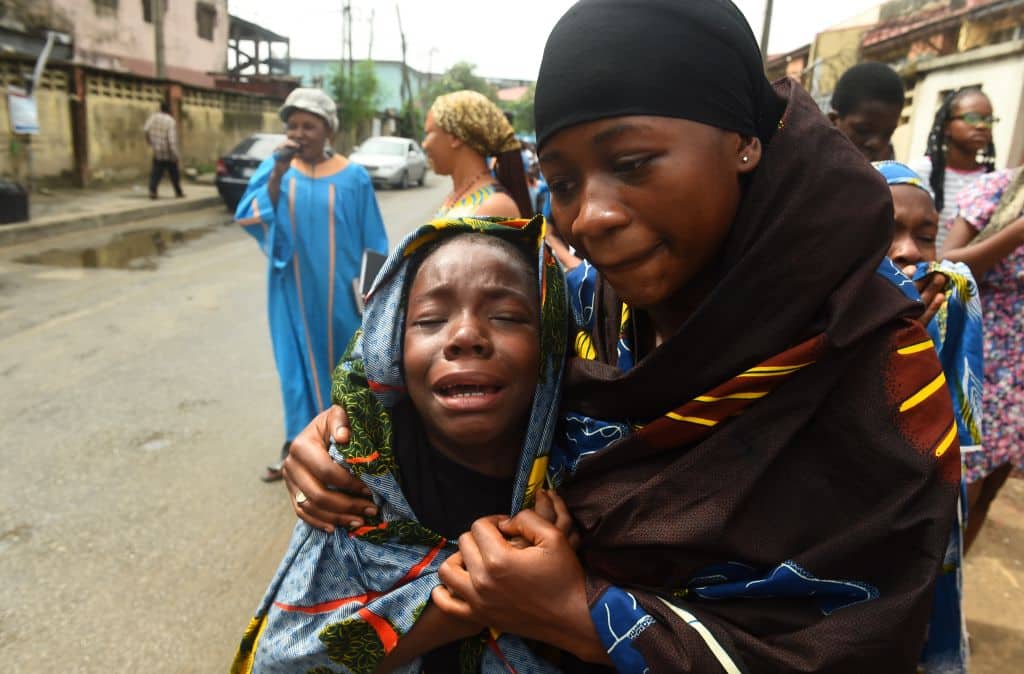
{"x":341,"y":61}
{"x":348,"y":42}
{"x":766,"y":29}
{"x":158,"y":37}
{"x":369,"y":50}
{"x":406,"y":91}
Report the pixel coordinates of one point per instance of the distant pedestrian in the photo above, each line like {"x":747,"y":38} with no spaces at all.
{"x":313,"y":214}
{"x":462,"y":130}
{"x":959,"y":151}
{"x":162,"y":136}
{"x":866,"y":107}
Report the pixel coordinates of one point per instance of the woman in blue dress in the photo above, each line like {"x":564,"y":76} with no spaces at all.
{"x":313,"y":214}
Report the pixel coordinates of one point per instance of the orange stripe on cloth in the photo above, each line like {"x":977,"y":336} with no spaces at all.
{"x":707,"y":411}
{"x":332,"y":254}
{"x":328,"y":606}
{"x":415,"y":571}
{"x":366,"y":597}
{"x":363,"y":459}
{"x":362,"y":531}
{"x":385,"y":632}
{"x":378,"y":387}
{"x":492,"y":643}
{"x":302,"y":304}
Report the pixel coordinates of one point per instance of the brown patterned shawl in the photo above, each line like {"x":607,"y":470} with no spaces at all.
{"x":835,"y":469}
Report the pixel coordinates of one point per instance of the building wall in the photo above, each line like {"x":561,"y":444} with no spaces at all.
{"x":318,"y":72}
{"x":122,"y":40}
{"x":52,"y":154}
{"x":213,"y":122}
{"x":833,"y":52}
{"x":116,"y":106}
{"x":1000,"y":71}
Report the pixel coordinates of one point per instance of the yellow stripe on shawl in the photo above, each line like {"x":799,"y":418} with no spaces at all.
{"x":692,"y":420}
{"x":916,"y":348}
{"x":922,"y":395}
{"x":742,"y":395}
{"x":774,"y":370}
{"x":946,"y":441}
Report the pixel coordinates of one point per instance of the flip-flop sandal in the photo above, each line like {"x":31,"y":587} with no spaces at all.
{"x":273,"y":472}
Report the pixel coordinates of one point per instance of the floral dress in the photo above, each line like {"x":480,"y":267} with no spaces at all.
{"x":1002,"y":297}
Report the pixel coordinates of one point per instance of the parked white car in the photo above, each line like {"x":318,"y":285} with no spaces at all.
{"x":392,"y":161}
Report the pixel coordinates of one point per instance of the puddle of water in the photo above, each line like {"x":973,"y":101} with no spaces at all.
{"x":155,"y":443}
{"x":135,"y":250}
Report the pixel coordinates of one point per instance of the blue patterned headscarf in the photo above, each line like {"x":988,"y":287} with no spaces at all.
{"x":896,"y":173}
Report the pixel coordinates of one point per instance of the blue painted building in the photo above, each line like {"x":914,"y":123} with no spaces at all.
{"x":317,"y":73}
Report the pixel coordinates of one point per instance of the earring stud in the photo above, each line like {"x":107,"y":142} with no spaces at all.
{"x":744,"y":159}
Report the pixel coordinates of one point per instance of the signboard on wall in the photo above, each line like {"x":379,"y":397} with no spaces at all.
{"x":24,"y":116}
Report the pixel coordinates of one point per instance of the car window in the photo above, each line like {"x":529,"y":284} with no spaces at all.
{"x":381,"y":146}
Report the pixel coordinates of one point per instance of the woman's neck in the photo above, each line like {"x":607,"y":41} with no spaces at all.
{"x":467,"y":173}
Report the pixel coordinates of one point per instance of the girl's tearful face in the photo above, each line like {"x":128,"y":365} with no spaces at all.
{"x":472,"y":347}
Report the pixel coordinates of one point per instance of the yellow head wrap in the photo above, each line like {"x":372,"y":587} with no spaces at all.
{"x":476,"y":121}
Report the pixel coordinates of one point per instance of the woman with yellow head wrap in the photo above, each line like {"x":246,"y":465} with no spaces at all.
{"x":463,"y":129}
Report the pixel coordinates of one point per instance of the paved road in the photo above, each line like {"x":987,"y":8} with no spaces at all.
{"x":137,"y":408}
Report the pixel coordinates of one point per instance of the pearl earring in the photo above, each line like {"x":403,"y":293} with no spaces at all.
{"x":744,"y":159}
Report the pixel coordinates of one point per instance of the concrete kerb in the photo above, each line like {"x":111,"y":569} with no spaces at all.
{"x":76,"y":222}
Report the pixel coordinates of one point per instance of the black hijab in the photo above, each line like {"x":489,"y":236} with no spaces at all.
{"x":697,"y":60}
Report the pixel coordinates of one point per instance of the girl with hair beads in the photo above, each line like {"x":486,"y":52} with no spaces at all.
{"x":959,"y":150}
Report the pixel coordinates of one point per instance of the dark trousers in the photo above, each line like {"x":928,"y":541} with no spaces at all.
{"x":157,"y":174}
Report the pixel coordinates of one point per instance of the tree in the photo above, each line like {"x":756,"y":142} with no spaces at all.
{"x":356,"y":99}
{"x":460,"y":76}
{"x":410,"y":123}
{"x":522,"y":111}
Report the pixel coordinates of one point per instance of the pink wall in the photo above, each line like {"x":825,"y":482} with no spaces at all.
{"x":122,"y":40}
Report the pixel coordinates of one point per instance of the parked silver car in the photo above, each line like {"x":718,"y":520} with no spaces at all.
{"x":391,"y":160}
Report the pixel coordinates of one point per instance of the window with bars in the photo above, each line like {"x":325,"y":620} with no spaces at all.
{"x":147,"y":9}
{"x":105,"y":7}
{"x":206,"y":18}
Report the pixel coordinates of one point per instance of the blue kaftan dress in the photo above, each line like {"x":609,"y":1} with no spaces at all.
{"x":314,"y":238}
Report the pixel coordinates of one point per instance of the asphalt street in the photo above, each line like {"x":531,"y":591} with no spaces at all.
{"x":138,"y":404}
{"x":138,"y":407}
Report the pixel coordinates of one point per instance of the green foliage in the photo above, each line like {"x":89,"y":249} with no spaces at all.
{"x":460,"y":76}
{"x":522,"y":111}
{"x":410,"y":122}
{"x":355,"y":98}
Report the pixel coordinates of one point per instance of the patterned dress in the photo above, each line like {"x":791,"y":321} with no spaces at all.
{"x":468,"y":204}
{"x":1002,"y":298}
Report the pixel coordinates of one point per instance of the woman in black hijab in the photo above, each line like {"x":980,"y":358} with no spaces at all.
{"x":760,"y":462}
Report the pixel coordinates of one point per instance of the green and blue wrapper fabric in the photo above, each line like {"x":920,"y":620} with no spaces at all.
{"x":339,"y":602}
